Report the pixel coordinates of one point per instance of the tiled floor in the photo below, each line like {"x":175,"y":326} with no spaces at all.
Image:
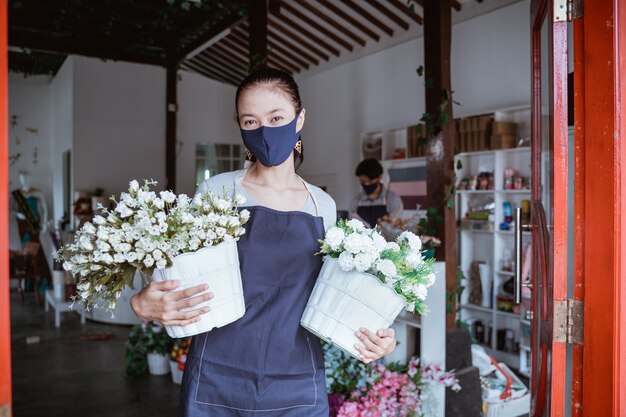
{"x":67,"y":374}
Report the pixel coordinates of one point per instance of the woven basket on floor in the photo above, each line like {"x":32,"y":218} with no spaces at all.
{"x":343,"y":302}
{"x":217,"y":266}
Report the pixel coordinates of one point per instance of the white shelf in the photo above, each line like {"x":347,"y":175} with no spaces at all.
{"x":524,"y":348}
{"x":505,"y":273}
{"x":512,"y":232}
{"x":524,"y":191}
{"x":475,"y":191}
{"x":473,"y":154}
{"x":507,"y":314}
{"x":477,"y":308}
{"x":482,"y":232}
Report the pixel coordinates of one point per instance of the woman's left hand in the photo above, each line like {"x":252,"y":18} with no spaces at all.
{"x":377,"y":345}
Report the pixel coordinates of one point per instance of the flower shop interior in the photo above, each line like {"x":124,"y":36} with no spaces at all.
{"x":495,"y":121}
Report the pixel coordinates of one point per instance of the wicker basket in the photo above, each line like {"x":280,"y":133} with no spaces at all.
{"x":343,"y":302}
{"x":217,"y":266}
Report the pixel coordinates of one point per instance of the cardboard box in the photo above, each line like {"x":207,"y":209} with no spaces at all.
{"x":504,"y":128}
{"x":503,"y":141}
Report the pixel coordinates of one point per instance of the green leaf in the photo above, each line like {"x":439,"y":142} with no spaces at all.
{"x":459,"y":164}
{"x":420,"y":70}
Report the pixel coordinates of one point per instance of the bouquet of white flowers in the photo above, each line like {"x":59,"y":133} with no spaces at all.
{"x":365,"y":282}
{"x":399,"y":265}
{"x":145,"y":232}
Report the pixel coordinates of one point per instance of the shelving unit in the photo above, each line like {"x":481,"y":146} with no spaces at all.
{"x":489,"y":246}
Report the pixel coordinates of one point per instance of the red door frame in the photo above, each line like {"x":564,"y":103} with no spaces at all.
{"x":557,"y":53}
{"x":600,"y":39}
{"x":5,"y":320}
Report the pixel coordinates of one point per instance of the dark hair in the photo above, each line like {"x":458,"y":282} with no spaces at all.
{"x":273,"y":78}
{"x":371,"y":168}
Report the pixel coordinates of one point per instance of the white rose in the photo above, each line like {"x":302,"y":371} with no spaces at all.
{"x":99,"y":220}
{"x":430,"y":279}
{"x":379,"y":241}
{"x":89,"y":228}
{"x":168,"y":196}
{"x":420,"y":291}
{"x":410,"y":308}
{"x":334,"y":238}
{"x":356,"y":225}
{"x":222,"y":204}
{"x":133,"y":186}
{"x":239,"y":200}
{"x":220,"y":231}
{"x":98,"y":287}
{"x":161,"y":264}
{"x":187,"y":218}
{"x":83,"y":286}
{"x":128,"y":200}
{"x":123,"y":210}
{"x":159,"y":203}
{"x":211,"y":218}
{"x":148,"y":261}
{"x":103,"y":246}
{"x":118,"y":258}
{"x":157,"y":254}
{"x":415,"y":243}
{"x":414,"y":259}
{"x":233,"y":221}
{"x":363,"y":262}
{"x":223,"y":221}
{"x":346,"y":261}
{"x":244,"y":215}
{"x":86,"y":245}
{"x":68,"y":266}
{"x":387,"y":267}
{"x":131,"y":256}
{"x":393,"y":246}
{"x":107,"y":259}
{"x":353,"y":243}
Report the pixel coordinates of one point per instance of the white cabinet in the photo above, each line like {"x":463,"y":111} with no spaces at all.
{"x":504,"y":334}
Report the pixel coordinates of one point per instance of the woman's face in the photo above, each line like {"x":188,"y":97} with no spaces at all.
{"x":266,"y":106}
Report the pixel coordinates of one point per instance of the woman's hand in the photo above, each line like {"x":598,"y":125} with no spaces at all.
{"x":156,"y":302}
{"x":377,"y":344}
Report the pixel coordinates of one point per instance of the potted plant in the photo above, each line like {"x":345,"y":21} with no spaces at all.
{"x":158,"y":346}
{"x":163,"y":236}
{"x":365,"y":282}
{"x":136,"y":360}
{"x":178,"y":357}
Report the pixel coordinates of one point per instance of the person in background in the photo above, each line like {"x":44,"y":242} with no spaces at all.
{"x":375,"y":201}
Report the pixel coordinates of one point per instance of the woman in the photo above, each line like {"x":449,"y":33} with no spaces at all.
{"x":264,"y":363}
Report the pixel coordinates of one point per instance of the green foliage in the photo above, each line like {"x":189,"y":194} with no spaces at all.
{"x":344,"y":373}
{"x":431,"y":223}
{"x":144,"y":339}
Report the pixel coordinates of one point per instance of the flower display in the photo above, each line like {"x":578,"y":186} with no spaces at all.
{"x":398,"y":391}
{"x":399,"y":265}
{"x":179,"y":351}
{"x":145,"y":231}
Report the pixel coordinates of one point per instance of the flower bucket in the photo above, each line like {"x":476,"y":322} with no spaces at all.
{"x":177,"y":374}
{"x":158,"y":364}
{"x":217,"y":266}
{"x":343,"y":302}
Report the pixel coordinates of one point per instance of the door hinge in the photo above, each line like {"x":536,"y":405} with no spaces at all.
{"x":568,"y":321}
{"x":567,"y":10}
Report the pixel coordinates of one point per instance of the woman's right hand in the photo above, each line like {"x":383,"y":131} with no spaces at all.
{"x":157,"y":302}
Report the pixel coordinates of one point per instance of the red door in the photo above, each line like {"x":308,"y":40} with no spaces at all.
{"x":549,"y":204}
{"x":5,"y":336}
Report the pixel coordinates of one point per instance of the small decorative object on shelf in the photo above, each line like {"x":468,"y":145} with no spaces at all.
{"x":166,"y":237}
{"x":365,"y":282}
{"x":178,"y":357}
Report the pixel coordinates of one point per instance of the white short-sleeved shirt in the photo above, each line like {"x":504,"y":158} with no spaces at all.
{"x":318,"y":204}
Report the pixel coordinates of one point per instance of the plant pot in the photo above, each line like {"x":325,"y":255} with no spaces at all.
{"x":177,"y":374}
{"x":343,"y":302}
{"x":158,"y":364}
{"x":217,"y":266}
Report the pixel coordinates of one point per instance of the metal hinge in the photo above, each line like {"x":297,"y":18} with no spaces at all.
{"x":567,"y":10}
{"x":568,"y":321}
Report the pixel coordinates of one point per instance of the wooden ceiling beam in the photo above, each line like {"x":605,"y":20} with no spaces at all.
{"x":453,"y":3}
{"x":220,"y":50}
{"x":257,"y":33}
{"x":209,"y":32}
{"x":331,"y":22}
{"x":281,"y":18}
{"x":306,"y":19}
{"x":345,"y":16}
{"x":214,"y":68}
{"x":231,"y":44}
{"x":390,"y":15}
{"x":369,"y":17}
{"x":406,"y":11}
{"x":206,"y":71}
{"x":278,"y":48}
{"x":92,"y":48}
{"x":278,"y":28}
{"x":213,"y":56}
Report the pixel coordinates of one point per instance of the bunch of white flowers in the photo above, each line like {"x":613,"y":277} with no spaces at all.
{"x":145,"y":231}
{"x":399,"y":265}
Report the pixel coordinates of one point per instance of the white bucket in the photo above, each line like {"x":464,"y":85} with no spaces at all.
{"x":343,"y":302}
{"x":217,"y":266}
{"x":177,"y":374}
{"x":58,"y":284}
{"x":158,"y":364}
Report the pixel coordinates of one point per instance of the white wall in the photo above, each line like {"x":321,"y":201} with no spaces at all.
{"x":28,"y":100}
{"x":490,"y":69}
{"x":62,"y":129}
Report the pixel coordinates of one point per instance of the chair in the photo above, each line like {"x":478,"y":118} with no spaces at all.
{"x":26,"y":268}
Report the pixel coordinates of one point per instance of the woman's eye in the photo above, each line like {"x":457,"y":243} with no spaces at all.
{"x":248,"y":122}
{"x":277,"y":118}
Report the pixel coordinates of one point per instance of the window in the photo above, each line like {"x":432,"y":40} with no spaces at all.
{"x":216,"y":158}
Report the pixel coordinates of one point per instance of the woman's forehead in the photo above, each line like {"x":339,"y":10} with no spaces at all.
{"x":264,"y":99}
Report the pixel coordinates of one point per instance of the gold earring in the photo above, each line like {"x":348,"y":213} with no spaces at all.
{"x":248,"y":153}
{"x":298,"y":146}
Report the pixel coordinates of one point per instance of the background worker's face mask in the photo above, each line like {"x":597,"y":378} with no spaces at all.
{"x":370,"y":188}
{"x":272,"y":145}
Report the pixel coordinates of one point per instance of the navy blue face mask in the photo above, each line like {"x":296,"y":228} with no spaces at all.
{"x":370,"y":188}
{"x":272,"y":145}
